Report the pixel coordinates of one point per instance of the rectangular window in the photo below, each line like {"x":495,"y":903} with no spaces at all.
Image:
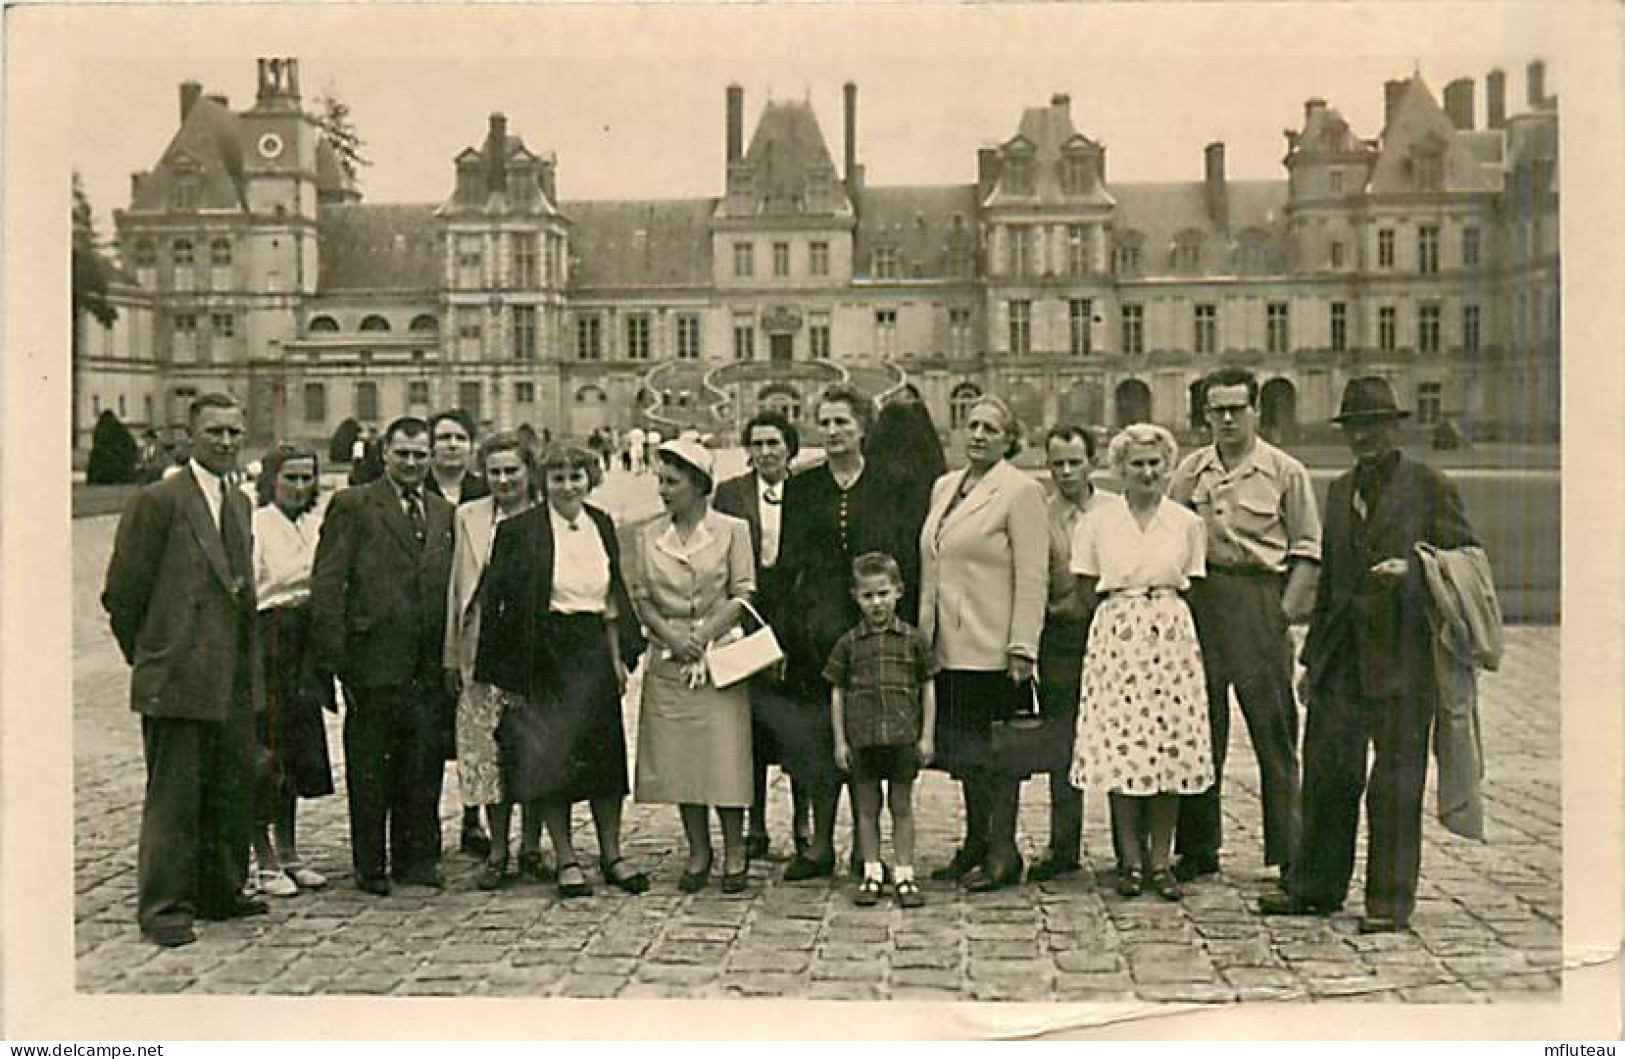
{"x":1018,"y":176}
{"x":1188,"y":257}
{"x":1021,"y":328}
{"x":1133,"y":329}
{"x":524,"y":332}
{"x":224,"y":325}
{"x":818,"y":258}
{"x":637,"y":337}
{"x":1469,"y":328}
{"x":1428,"y":172}
{"x":1427,"y":329}
{"x":1334,"y":178}
{"x":468,"y":398}
{"x":315,"y":402}
{"x":524,"y":260}
{"x":1206,"y":324}
{"x":1126,"y":260}
{"x":1340,"y":327}
{"x":470,"y":260}
{"x":1427,"y":249}
{"x":524,"y":392}
{"x":184,"y":324}
{"x":1277,"y":329}
{"x":959,"y":331}
{"x":1075,"y":174}
{"x":1337,"y":254}
{"x":589,"y":338}
{"x":886,"y":333}
{"x":417,"y":393}
{"x":744,"y":261}
{"x":885,"y":262}
{"x":1080,"y":315}
{"x":1018,"y":250}
{"x":468,"y":324}
{"x":1469,"y":247}
{"x":366,"y":400}
{"x":744,"y":338}
{"x":1429,"y":403}
{"x":688,"y":336}
{"x":781,"y":260}
{"x":1077,"y":250}
{"x":1387,"y":328}
{"x":1385,"y":248}
{"x":818,"y":338}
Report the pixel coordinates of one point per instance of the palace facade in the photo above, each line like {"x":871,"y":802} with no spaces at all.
{"x":1429,"y":254}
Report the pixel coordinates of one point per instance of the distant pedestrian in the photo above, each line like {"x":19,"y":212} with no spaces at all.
{"x":180,"y":596}
{"x":635,"y":439}
{"x":883,"y":716}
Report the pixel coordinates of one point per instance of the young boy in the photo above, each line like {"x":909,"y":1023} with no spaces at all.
{"x":884,"y":712}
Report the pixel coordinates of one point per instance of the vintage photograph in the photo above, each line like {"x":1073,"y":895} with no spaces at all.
{"x":930,"y":504}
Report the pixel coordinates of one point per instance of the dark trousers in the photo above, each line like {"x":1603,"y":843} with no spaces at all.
{"x":1059,"y":685}
{"x":1246,"y":646}
{"x":196,"y":818}
{"x":1342,"y":724}
{"x":393,"y":760}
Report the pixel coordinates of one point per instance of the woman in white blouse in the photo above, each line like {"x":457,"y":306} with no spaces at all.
{"x":293,"y":738}
{"x":1142,"y":719}
{"x":509,"y":466}
{"x":557,"y":636}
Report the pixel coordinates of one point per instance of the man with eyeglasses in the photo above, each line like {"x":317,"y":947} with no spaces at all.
{"x":1263,"y":556}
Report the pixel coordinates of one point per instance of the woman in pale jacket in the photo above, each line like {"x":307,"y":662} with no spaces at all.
{"x":984,"y":565}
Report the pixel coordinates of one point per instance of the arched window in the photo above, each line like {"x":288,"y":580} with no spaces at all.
{"x":220,"y":253}
{"x":146,"y":254}
{"x":323,"y":325}
{"x":180,"y":251}
{"x":782,"y":399}
{"x":374,"y":322}
{"x":424,"y":322}
{"x":591,"y":395}
{"x":963,"y":399}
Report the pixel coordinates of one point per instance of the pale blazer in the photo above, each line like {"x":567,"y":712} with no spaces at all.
{"x":470,"y":554}
{"x":984,"y":570}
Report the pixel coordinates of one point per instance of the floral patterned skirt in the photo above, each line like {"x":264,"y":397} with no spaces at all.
{"x":1142,"y":717}
{"x":479,"y":764}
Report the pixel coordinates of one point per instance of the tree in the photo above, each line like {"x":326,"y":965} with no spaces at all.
{"x":332,"y":116}
{"x":92,"y":273}
{"x":112,"y":452}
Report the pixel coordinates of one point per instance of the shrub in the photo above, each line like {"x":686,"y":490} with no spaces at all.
{"x":338,"y":450}
{"x":113,"y":452}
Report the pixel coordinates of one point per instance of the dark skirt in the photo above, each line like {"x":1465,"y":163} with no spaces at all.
{"x":969,"y":702}
{"x":566,"y":743}
{"x":292,"y":734}
{"x":796,"y":722}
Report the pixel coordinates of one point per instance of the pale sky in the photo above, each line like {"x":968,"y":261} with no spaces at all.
{"x":631,"y":99}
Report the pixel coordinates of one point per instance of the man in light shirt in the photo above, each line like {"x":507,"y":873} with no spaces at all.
{"x":1263,"y":557}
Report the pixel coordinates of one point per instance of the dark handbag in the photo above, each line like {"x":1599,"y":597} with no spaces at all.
{"x":1031,"y":742}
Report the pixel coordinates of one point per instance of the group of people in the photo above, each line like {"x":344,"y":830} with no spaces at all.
{"x":960,"y":620}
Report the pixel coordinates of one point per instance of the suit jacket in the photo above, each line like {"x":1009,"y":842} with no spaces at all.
{"x":984,"y":569}
{"x":741,"y":498}
{"x":180,"y":595}
{"x":513,"y":652}
{"x":474,"y":487}
{"x":1386,"y":627}
{"x":378,"y":601}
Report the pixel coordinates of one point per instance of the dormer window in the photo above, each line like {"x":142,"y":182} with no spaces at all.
{"x":1018,"y":174}
{"x":186,"y":192}
{"x":1334,"y":180}
{"x":884,"y":265}
{"x":1187,"y":255}
{"x":1427,"y":171}
{"x":1075,"y":174}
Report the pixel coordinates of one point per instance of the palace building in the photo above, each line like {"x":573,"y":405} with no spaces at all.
{"x":1427,"y":253}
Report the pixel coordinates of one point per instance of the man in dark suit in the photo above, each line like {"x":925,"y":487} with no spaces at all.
{"x":758,"y":497}
{"x":378,"y":598}
{"x":1368,"y":677}
{"x":180,"y":596}
{"x":451,"y":444}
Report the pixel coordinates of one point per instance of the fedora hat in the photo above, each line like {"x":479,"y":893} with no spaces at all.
{"x":1368,"y":397}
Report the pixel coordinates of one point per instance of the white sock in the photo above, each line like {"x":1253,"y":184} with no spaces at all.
{"x":903,"y":873}
{"x":873,"y":870}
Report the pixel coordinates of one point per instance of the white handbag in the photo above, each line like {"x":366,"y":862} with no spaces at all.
{"x":744,"y":657}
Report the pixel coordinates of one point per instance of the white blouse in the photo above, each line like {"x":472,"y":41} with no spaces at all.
{"x":1110,"y":545}
{"x":284,"y":554}
{"x":580,"y":566}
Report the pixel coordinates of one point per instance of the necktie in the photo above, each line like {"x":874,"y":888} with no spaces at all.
{"x":414,"y":514}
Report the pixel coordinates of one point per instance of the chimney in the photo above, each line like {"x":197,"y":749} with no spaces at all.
{"x":851,"y":92}
{"x":220,"y":98}
{"x":1061,"y":100}
{"x":736,"y":123}
{"x":291,"y":66}
{"x":1458,"y":103}
{"x":1495,"y":100}
{"x":1218,"y":200}
{"x":191,"y":92}
{"x":1392,"y":93}
{"x":1311,"y":107}
{"x":1536,"y":75}
{"x":496,"y":154}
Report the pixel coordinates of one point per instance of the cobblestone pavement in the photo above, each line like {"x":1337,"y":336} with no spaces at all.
{"x":1487,"y":926}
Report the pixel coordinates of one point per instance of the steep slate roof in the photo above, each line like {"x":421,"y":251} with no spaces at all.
{"x":211,"y":136}
{"x":640,"y":242}
{"x":1416,"y":120}
{"x":1049,"y":130}
{"x":378,"y":247}
{"x":919,"y":222}
{"x":1161,"y":211}
{"x":786,"y":147}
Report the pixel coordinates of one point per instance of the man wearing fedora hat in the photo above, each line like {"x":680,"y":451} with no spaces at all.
{"x":1368,"y":667}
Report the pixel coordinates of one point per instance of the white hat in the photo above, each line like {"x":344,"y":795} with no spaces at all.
{"x":692,"y":453}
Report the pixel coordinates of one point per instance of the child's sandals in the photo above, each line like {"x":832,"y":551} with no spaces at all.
{"x":908,"y":894}
{"x":869,"y":891}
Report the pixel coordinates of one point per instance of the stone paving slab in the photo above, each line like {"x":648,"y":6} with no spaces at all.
{"x":1488,"y":927}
